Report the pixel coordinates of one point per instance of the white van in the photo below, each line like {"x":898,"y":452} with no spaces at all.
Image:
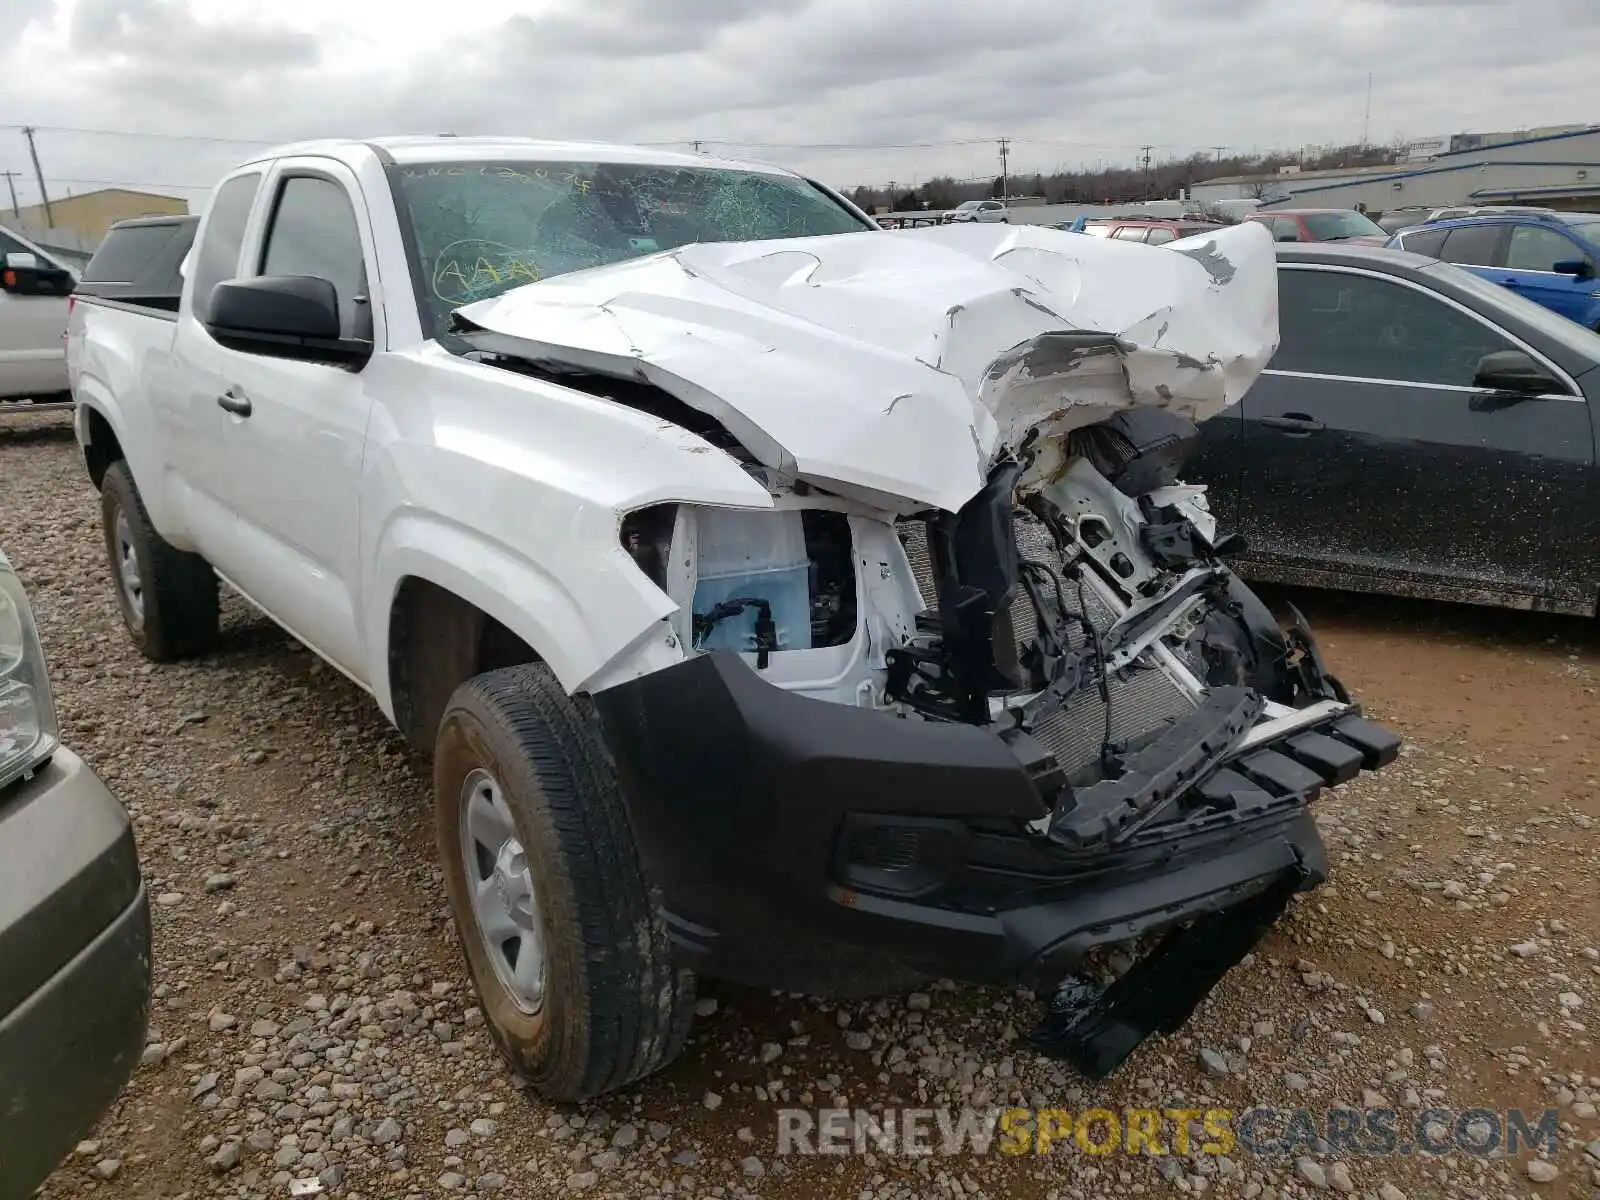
{"x":33,"y":321}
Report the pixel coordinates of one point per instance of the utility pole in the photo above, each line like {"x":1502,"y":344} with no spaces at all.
{"x":11,"y":177}
{"x":696,"y":144}
{"x":1217,"y":150}
{"x":1144,"y":151}
{"x":1005,"y":174}
{"x":1366,"y":121}
{"x":44,"y":196}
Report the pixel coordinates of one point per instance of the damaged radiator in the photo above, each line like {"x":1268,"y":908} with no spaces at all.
{"x":1143,"y":696}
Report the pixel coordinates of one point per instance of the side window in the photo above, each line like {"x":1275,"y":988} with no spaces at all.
{"x":10,"y":245}
{"x":1130,"y":233}
{"x":1472,"y":245}
{"x":314,"y":232}
{"x":1428,"y":241}
{"x":127,"y":253}
{"x":1160,"y":235}
{"x":1336,"y":323}
{"x":1285,"y":230}
{"x":217,"y":258}
{"x":1533,"y":248}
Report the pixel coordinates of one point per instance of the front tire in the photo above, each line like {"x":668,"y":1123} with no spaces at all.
{"x":167,"y":597}
{"x":565,"y":945}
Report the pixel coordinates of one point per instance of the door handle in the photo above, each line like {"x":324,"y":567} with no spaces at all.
{"x":1296,"y":424}
{"x":231,"y":401}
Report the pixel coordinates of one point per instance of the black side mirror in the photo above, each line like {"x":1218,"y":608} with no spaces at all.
{"x":283,"y":316}
{"x":1511,"y":375}
{"x":26,"y":274}
{"x":1578,"y":268}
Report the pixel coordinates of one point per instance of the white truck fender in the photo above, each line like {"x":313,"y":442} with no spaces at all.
{"x":528,"y":601}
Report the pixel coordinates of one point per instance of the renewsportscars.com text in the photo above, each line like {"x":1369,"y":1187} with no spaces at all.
{"x":1373,"y":1132}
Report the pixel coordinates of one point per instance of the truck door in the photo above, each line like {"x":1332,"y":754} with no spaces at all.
{"x":287,"y":435}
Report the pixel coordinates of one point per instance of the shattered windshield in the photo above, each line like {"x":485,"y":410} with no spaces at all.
{"x":482,"y":228}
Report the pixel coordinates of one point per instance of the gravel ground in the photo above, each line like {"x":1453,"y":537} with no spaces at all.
{"x":313,"y":1028}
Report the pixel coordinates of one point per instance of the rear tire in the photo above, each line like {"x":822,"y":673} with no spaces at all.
{"x":167,"y":596}
{"x":562,"y":936}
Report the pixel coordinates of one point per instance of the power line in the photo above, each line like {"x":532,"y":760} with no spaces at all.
{"x":127,"y":133}
{"x":134,"y":183}
{"x":935,"y":144}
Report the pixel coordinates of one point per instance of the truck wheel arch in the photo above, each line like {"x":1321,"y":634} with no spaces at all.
{"x":101,"y":446}
{"x":97,"y":436}
{"x":437,"y":641}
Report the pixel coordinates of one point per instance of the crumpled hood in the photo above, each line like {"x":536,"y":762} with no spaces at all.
{"x":900,"y":365}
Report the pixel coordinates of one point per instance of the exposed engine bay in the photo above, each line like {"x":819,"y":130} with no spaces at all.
{"x":1080,"y":616}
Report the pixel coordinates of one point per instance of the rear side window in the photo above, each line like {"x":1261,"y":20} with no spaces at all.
{"x":1160,"y":235}
{"x":1428,"y":241}
{"x":314,"y":232}
{"x":128,"y":253}
{"x":218,"y":257}
{"x":1130,"y":233}
{"x":1472,"y":245}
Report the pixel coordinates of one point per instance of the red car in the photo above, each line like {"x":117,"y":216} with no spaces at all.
{"x":1154,"y":231}
{"x":1321,"y":225}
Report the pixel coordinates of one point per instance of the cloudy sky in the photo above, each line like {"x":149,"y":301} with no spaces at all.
{"x":863,"y":91}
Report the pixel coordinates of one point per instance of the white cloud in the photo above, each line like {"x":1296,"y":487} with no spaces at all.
{"x":1069,"y":87}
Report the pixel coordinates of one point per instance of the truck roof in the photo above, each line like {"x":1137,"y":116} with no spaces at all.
{"x":448,"y":147}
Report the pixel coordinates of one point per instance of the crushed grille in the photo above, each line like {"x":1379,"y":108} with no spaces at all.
{"x":1142,"y":696}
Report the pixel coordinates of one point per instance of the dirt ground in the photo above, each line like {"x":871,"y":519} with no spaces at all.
{"x":313,"y":1029}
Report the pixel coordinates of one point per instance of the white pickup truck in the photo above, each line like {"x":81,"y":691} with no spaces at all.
{"x":33,"y":319}
{"x":779,"y":597}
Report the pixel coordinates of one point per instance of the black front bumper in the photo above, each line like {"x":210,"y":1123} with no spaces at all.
{"x":771,"y":821}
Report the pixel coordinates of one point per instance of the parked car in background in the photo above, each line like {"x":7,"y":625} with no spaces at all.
{"x":1549,"y":257}
{"x":1154,"y":231}
{"x":33,"y":321}
{"x":1419,"y":431}
{"x":1395,"y":219}
{"x":977,"y":210}
{"x":74,"y":923}
{"x":1321,"y":225}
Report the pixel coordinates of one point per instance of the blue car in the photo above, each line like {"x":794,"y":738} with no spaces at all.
{"x":1548,"y":257}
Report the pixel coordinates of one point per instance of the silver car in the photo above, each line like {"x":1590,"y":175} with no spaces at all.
{"x":74,"y":924}
{"x":988,"y":211}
